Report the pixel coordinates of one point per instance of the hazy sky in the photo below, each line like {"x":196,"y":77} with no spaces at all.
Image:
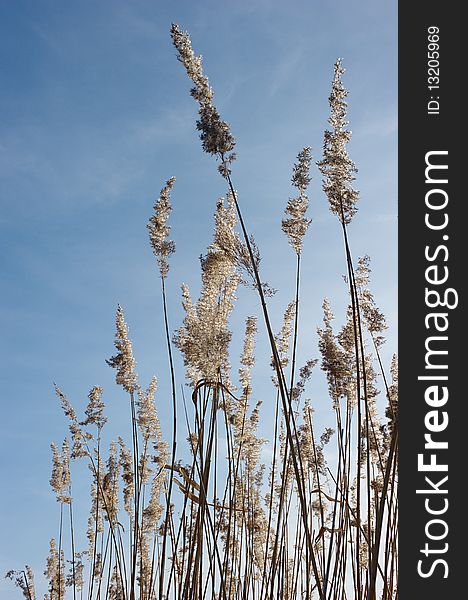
{"x":95,"y":117}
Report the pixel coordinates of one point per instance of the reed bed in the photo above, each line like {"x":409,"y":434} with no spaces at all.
{"x":211,"y":521}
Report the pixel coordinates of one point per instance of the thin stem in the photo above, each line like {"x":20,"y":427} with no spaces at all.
{"x":174,"y":434}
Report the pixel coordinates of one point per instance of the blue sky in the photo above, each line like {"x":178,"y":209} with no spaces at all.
{"x":96,"y":116}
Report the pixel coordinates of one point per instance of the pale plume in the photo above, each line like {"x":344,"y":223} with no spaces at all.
{"x":159,"y":230}
{"x":295,"y":224}
{"x":336,"y":167}
{"x":123,"y":361}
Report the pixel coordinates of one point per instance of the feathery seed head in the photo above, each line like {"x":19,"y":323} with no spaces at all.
{"x":336,"y":167}
{"x":159,"y":229}
{"x":295,"y":224}
{"x":373,"y":317}
{"x":78,"y":436}
{"x":283,"y":338}
{"x":95,"y":410}
{"x":305,"y":373}
{"x":154,"y":509}
{"x":204,"y":337}
{"x":248,"y":358}
{"x":110,"y":485}
{"x":301,"y":170}
{"x":60,"y":479}
{"x":24,"y":580}
{"x":337,"y":362}
{"x":214,"y":132}
{"x":147,"y":416}
{"x":54,"y":572}
{"x":123,"y":361}
{"x":66,"y":406}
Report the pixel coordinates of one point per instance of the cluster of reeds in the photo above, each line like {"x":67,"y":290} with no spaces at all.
{"x":213,"y":521}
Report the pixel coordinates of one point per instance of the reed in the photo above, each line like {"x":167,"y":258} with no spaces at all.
{"x":210,"y":521}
